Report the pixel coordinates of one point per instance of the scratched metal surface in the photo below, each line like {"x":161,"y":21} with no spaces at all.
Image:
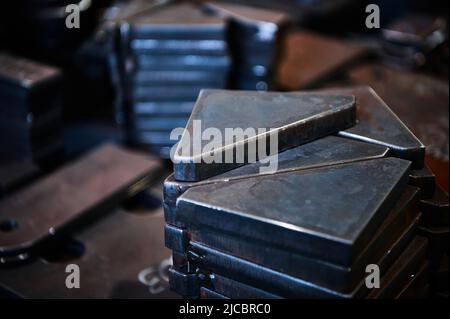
{"x":332,"y":227}
{"x":298,"y":118}
{"x":330,"y":150}
{"x":75,"y":193}
{"x":378,"y":124}
{"x":124,"y":257}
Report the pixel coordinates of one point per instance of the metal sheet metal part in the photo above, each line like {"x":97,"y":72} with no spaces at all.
{"x":77,"y":193}
{"x":378,"y":124}
{"x":419,"y":100}
{"x":185,"y":63}
{"x":206,"y":293}
{"x":120,"y":256}
{"x":308,"y":59}
{"x":336,"y":229}
{"x":407,"y":265}
{"x":425,"y":180}
{"x":279,"y":283}
{"x":25,"y":74}
{"x":178,"y":21}
{"x":180,"y":77}
{"x":296,"y":118}
{"x":187,"y":285}
{"x":163,"y":108}
{"x":400,"y":221}
{"x":438,"y":243}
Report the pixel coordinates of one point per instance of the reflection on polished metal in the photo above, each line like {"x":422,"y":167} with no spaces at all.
{"x":71,"y":196}
{"x":296,"y":118}
{"x":333,"y":228}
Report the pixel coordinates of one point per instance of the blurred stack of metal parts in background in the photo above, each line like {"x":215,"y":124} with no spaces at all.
{"x":40,"y":29}
{"x":334,"y":206}
{"x":167,"y":56}
{"x":31,"y":115}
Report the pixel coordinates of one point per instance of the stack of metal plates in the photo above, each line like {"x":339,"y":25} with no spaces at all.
{"x":30,"y":110}
{"x":343,"y":207}
{"x":70,"y":198}
{"x":255,"y":35}
{"x":170,"y":54}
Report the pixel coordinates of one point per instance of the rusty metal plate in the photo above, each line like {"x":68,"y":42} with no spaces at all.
{"x":309,"y":59}
{"x":296,"y":118}
{"x":420,"y":101}
{"x":122,"y":256}
{"x":378,"y":124}
{"x":72,"y":195}
{"x":332,"y":228}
